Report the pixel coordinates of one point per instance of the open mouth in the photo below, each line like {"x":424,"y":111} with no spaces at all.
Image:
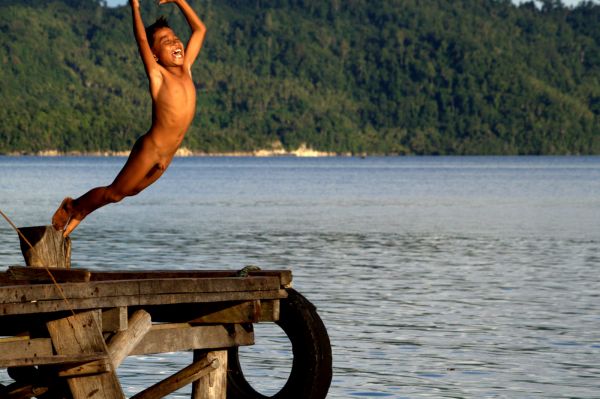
{"x":177,"y":53}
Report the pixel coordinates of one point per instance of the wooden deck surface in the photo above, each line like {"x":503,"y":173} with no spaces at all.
{"x":26,"y":290}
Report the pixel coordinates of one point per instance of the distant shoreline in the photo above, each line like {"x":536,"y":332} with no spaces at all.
{"x":301,"y":152}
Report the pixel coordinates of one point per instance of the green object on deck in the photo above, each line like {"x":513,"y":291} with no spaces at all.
{"x":246,"y":270}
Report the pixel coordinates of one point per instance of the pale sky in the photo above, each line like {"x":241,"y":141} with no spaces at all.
{"x":566,"y":2}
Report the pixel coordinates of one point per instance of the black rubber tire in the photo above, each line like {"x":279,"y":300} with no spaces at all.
{"x":311,"y":372}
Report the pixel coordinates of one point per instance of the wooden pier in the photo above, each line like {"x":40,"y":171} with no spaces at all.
{"x":67,"y":339}
{"x":65,"y":331}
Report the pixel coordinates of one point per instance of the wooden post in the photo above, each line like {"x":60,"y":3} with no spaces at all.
{"x":50,"y":248}
{"x":213,"y":385}
{"x":115,"y":319}
{"x":123,"y":342}
{"x":80,"y":334}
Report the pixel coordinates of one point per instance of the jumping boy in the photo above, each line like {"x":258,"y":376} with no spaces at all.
{"x":168,"y":66}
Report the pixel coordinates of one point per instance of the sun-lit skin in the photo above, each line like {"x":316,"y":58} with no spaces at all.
{"x":168,"y":66}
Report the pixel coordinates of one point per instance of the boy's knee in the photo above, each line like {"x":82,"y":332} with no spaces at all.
{"x":113,"y":195}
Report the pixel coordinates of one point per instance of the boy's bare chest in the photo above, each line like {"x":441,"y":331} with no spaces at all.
{"x":178,"y":91}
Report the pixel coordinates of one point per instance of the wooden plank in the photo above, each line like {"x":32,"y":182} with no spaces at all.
{"x":191,"y":285}
{"x":161,"y":338}
{"x":40,"y":274}
{"x":6,"y":280}
{"x":85,"y":369}
{"x":285,"y":276}
{"x":124,"y":341}
{"x":81,"y":334}
{"x":101,"y":289}
{"x":49,"y":359}
{"x":240,"y":312}
{"x":179,"y":379}
{"x":210,"y":297}
{"x":132,"y":300}
{"x":114,"y":319}
{"x":213,"y":385}
{"x":24,"y":347}
{"x":182,"y":337}
{"x":227,"y":312}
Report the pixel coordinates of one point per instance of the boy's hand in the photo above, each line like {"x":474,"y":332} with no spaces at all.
{"x":134,"y":3}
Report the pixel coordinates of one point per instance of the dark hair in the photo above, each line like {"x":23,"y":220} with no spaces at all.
{"x":161,"y":22}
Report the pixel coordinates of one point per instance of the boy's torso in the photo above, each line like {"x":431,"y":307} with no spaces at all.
{"x":173,"y":108}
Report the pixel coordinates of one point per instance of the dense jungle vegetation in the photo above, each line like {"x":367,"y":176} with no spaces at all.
{"x":345,"y":76}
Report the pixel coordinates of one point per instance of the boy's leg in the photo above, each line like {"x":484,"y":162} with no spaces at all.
{"x":140,"y":170}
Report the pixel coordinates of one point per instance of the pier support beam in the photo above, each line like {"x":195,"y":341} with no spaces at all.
{"x":121,"y":345}
{"x":80,"y":335}
{"x":213,"y":385}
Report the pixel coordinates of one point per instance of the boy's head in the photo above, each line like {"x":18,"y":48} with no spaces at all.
{"x":160,"y":23}
{"x":166,"y":46}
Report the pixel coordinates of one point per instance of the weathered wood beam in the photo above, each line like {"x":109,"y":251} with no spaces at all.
{"x":80,"y":334}
{"x":227,"y":312}
{"x":100,"y":289}
{"x":40,"y":274}
{"x":52,"y":360}
{"x":182,"y":337}
{"x":6,"y":280}
{"x":58,"y":305}
{"x":123,"y":342}
{"x":285,"y":276}
{"x":235,"y":312}
{"x":159,"y":339}
{"x":85,"y":369}
{"x":178,"y":380}
{"x":12,"y":348}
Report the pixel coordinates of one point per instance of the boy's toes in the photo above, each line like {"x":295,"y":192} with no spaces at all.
{"x":74,"y":222}
{"x":62,"y":214}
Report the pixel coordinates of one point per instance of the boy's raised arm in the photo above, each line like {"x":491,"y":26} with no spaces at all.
{"x":139,"y":32}
{"x":198,"y":30}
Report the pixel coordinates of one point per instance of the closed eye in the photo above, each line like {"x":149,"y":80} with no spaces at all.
{"x":170,"y":42}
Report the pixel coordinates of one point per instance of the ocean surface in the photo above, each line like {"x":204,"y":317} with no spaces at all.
{"x":437,"y":277}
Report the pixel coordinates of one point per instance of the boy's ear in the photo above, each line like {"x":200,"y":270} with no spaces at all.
{"x":155,"y":57}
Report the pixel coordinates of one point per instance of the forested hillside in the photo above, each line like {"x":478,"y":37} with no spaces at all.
{"x":345,"y":76}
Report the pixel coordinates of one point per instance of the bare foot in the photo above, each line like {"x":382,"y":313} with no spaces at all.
{"x":73,"y":222}
{"x":66,"y":218}
{"x":63,"y":214}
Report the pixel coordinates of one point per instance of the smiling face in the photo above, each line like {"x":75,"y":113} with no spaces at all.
{"x":167,"y":48}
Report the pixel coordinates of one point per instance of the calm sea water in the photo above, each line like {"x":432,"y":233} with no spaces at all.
{"x":436,"y":277}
